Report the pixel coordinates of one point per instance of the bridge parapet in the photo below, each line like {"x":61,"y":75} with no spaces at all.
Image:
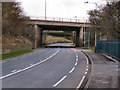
{"x":77,"y":20}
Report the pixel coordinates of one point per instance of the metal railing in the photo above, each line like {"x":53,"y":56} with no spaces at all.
{"x":110,"y":47}
{"x":77,"y":20}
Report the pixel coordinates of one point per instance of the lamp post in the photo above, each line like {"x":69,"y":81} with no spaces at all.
{"x":45,"y":8}
{"x":84,"y":32}
{"x":96,"y":9}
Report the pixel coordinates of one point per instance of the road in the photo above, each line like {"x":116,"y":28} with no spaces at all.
{"x":62,"y":44}
{"x":47,"y":68}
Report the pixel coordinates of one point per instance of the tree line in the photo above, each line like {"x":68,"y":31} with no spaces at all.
{"x":105,"y":20}
{"x":13,"y":22}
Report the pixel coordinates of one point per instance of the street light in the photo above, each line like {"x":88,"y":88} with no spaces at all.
{"x":45,"y":8}
{"x":84,"y":31}
{"x":96,"y":9}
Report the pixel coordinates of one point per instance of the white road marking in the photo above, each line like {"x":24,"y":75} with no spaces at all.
{"x":14,"y":70}
{"x":28,"y":66}
{"x":75,"y":63}
{"x":76,"y":59}
{"x":87,"y":66}
{"x":76,"y":56}
{"x":72,"y":70}
{"x":29,"y":54}
{"x":59,"y":81}
{"x":85,"y":72}
{"x":86,"y":69}
{"x":79,"y":85}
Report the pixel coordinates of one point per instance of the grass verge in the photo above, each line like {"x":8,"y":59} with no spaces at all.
{"x":13,"y":54}
{"x":91,"y":48}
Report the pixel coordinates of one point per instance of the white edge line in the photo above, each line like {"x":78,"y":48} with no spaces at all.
{"x":85,"y":72}
{"x":75,"y":63}
{"x":14,"y":71}
{"x":72,"y":70}
{"x":87,"y":60}
{"x":24,"y":55}
{"x":28,"y":67}
{"x":80,"y":82}
{"x":77,"y":59}
{"x":59,"y":81}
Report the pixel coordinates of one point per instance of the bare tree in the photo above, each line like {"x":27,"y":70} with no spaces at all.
{"x":106,"y":20}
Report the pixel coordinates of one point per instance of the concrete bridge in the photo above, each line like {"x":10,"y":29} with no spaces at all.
{"x":41,"y":25}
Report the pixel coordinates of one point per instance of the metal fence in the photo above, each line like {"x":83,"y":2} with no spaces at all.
{"x":82,"y":19}
{"x":110,"y":47}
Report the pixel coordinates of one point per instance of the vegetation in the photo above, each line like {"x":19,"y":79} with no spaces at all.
{"x":105,"y":20}
{"x":13,"y":54}
{"x":60,"y":34}
{"x":13,"y":24}
{"x":53,"y":39}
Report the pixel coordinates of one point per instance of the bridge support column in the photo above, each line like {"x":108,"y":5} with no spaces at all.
{"x":77,"y":38}
{"x":74,"y":37}
{"x":38,"y":36}
{"x":81,"y":36}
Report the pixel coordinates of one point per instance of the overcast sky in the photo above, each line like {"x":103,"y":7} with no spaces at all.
{"x":59,"y":8}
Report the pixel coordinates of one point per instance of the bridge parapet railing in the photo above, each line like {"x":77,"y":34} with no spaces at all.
{"x":77,"y":20}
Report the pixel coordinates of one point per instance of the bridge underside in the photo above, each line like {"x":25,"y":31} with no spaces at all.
{"x":40,"y":28}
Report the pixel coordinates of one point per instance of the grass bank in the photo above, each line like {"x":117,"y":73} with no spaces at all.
{"x":53,"y":39}
{"x":13,"y":54}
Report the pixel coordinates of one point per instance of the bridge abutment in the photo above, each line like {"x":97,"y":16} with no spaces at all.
{"x":38,"y":36}
{"x":79,"y":37}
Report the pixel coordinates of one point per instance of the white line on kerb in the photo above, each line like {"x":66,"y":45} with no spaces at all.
{"x":29,"y":66}
{"x":72,"y":70}
{"x":80,"y":83}
{"x":59,"y":81}
{"x":75,"y":63}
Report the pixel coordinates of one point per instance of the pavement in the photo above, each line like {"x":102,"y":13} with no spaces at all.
{"x":105,"y":72}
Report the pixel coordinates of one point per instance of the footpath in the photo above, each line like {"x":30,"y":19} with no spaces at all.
{"x":105,"y":72}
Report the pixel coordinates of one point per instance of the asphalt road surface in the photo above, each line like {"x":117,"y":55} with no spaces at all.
{"x":47,"y":68}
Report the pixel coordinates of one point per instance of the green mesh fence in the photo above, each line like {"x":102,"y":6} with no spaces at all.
{"x":110,"y":47}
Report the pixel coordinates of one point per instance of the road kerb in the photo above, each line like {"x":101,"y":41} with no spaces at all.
{"x":92,"y":64}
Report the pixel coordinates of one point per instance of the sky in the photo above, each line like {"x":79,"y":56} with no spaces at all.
{"x":59,"y":8}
